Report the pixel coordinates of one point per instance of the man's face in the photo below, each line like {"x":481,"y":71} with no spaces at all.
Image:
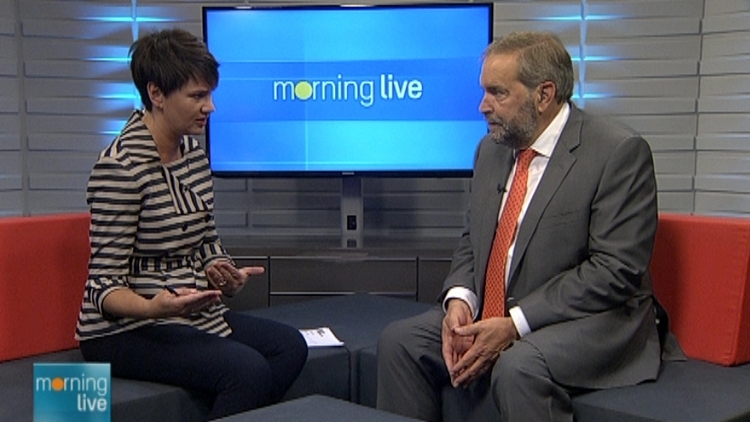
{"x":507,"y":105}
{"x":187,"y":108}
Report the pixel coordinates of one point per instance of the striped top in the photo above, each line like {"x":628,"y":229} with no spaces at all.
{"x":151,"y":226}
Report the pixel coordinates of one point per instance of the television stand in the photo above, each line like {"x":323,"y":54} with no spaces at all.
{"x":352,"y":212}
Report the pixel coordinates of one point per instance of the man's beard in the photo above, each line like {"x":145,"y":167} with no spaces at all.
{"x":517,"y":132}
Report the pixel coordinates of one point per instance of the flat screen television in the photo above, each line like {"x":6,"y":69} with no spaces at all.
{"x":347,"y":90}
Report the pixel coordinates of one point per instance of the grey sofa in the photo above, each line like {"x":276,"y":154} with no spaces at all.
{"x":686,"y":391}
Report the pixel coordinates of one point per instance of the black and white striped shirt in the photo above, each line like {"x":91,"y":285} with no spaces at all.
{"x":151,"y":226}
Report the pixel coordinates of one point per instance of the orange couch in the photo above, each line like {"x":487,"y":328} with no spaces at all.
{"x":43,"y":270}
{"x":701,"y":272}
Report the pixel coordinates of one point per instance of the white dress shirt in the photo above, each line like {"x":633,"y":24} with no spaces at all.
{"x":543,"y":146}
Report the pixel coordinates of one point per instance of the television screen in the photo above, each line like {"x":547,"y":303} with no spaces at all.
{"x":337,"y":90}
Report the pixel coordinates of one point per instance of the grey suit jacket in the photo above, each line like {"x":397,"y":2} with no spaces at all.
{"x":580,"y":267}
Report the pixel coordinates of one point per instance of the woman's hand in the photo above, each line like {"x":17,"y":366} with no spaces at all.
{"x":183,"y":302}
{"x":230,"y":280}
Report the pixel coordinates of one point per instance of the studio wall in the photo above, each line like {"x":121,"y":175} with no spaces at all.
{"x":676,"y":70}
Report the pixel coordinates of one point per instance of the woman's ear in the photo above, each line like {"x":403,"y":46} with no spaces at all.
{"x":155,"y":95}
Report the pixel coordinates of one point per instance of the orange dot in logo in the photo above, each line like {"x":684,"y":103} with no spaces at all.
{"x":58,"y":384}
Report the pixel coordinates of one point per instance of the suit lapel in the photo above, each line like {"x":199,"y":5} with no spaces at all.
{"x":557,"y":169}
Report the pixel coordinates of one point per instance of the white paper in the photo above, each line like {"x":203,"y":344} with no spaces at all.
{"x":320,"y":337}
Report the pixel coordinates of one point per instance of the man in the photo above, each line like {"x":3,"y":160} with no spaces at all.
{"x":564,"y":302}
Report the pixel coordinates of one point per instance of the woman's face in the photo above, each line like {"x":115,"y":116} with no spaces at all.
{"x":186,"y":110}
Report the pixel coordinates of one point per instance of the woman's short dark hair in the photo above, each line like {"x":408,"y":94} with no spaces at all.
{"x":170,"y":59}
{"x":541,"y":57}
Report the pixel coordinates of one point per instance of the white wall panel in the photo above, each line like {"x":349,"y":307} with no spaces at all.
{"x":723,"y":123}
{"x":10,"y":162}
{"x":722,"y":162}
{"x":9,"y":105}
{"x":721,"y":203}
{"x":56,"y":201}
{"x":646,"y":75}
{"x":74,"y":56}
{"x":726,"y":7}
{"x":723,"y":141}
{"x":679,"y":87}
{"x":738,"y":183}
{"x":58,"y":181}
{"x":725,"y":85}
{"x":8,"y":66}
{"x":667,"y":124}
{"x":674,"y":182}
{"x":675,"y":70}
{"x":9,"y":123}
{"x":739,"y":21}
{"x":728,"y":104}
{"x":676,"y":163}
{"x":8,"y":201}
{"x":9,"y":143}
{"x":654,"y":106}
{"x":633,"y":69}
{"x":736,"y":65}
{"x":69,"y":69}
{"x":645,"y":8}
{"x":667,"y":143}
{"x":9,"y":182}
{"x":676,"y":201}
{"x":625,"y":28}
{"x":85,"y":106}
{"x":69,"y":142}
{"x":60,"y":162}
{"x":660,"y":48}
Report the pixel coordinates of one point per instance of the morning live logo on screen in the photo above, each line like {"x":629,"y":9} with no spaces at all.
{"x":72,"y":392}
{"x":367,"y":90}
{"x":361,"y":90}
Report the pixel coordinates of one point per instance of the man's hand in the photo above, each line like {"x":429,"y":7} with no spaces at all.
{"x":490,"y":337}
{"x":455,"y":346}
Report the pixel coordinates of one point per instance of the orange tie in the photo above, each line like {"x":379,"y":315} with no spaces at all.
{"x":494,"y":289}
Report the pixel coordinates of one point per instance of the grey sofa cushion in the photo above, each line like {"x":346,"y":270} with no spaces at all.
{"x":131,"y":400}
{"x":690,"y":391}
{"x":316,"y":408}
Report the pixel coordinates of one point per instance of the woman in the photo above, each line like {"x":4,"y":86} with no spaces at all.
{"x":152,"y":305}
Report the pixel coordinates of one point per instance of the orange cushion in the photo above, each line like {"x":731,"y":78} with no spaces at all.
{"x":701,"y":274}
{"x":43,"y":270}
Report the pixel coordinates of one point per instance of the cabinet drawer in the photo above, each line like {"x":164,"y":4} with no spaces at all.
{"x":315,"y":275}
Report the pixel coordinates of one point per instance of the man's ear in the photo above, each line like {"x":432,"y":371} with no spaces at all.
{"x":545,"y":95}
{"x":155,"y":95}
